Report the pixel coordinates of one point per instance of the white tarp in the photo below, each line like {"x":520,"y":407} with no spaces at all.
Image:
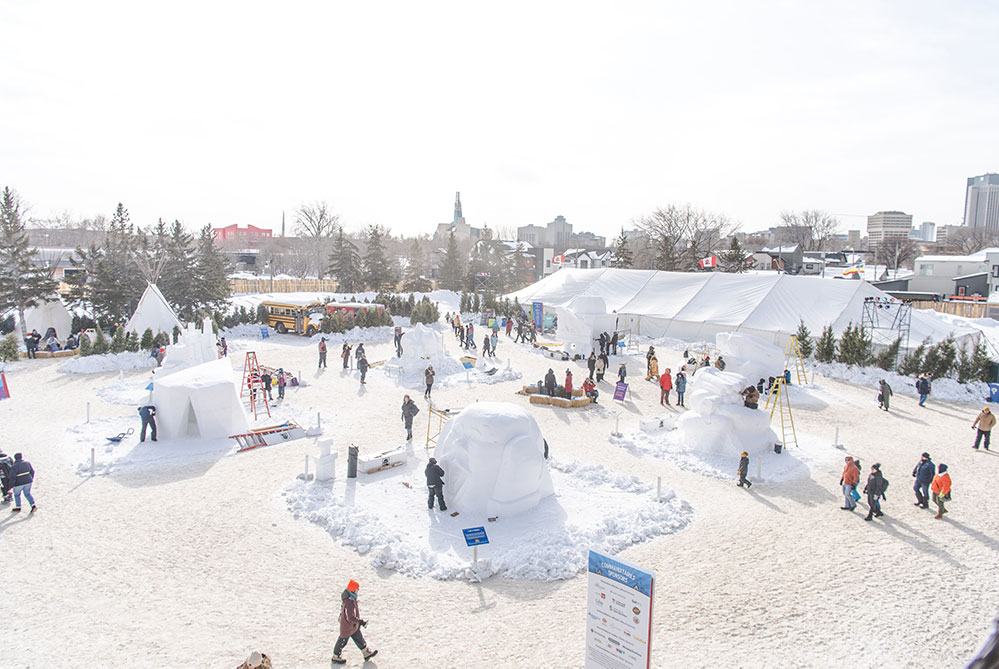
{"x":153,"y":313}
{"x":695,"y":306}
{"x":52,"y":314}
{"x":201,"y":401}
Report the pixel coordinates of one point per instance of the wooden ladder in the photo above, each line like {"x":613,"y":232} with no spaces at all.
{"x":779,"y":402}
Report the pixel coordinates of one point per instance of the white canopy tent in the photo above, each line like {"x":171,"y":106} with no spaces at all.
{"x":695,"y":306}
{"x":153,"y":313}
{"x":201,"y":401}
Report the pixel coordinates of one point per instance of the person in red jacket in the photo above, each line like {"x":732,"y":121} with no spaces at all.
{"x":568,"y":384}
{"x":590,"y":389}
{"x":350,"y":625}
{"x":666,"y":385}
{"x":849,"y":481}
{"x":941,"y":490}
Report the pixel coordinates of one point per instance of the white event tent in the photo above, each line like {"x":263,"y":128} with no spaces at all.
{"x":695,"y":306}
{"x":153,"y":313}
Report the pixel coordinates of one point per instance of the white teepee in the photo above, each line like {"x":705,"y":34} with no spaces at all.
{"x":153,"y":313}
{"x":51,"y":314}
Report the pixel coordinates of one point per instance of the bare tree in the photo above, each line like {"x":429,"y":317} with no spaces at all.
{"x":894,"y":251}
{"x":678,"y":237}
{"x":811,"y":228}
{"x":966,"y":241}
{"x":316,"y":222}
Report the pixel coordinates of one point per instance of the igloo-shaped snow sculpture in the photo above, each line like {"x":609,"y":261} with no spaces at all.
{"x":421,"y":346}
{"x":717,"y":422}
{"x":493,"y":457}
{"x":753,"y":358}
{"x":581,"y":322}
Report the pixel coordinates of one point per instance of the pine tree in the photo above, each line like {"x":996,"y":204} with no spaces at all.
{"x":623,"y":257}
{"x":146,"y":343}
{"x":345,"y":263}
{"x":85,"y":347}
{"x":177,"y":279}
{"x":981,"y":364}
{"x":9,"y":350}
{"x":378,"y":273}
{"x":100,"y":342}
{"x":118,"y":340}
{"x":912,"y":363}
{"x":132,"y":342}
{"x":965,"y":372}
{"x":464,"y":304}
{"x":941,"y":358}
{"x":825,"y":349}
{"x":805,"y":344}
{"x":211,"y":289}
{"x":886,"y":359}
{"x":931,"y":361}
{"x":733,"y":260}
{"x":452,"y":266}
{"x":416,"y":270}
{"x":476,"y":303}
{"x":22,"y":284}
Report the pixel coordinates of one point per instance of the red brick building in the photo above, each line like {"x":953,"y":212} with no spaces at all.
{"x":251,"y":235}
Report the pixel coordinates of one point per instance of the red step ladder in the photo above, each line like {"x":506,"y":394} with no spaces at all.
{"x":252,"y":384}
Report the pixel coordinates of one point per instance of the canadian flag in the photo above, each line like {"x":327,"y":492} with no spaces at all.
{"x":710,"y":261}
{"x":558,"y":260}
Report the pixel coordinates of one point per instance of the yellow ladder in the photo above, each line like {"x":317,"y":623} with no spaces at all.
{"x":793,"y":359}
{"x":442,"y":415}
{"x":778,"y":401}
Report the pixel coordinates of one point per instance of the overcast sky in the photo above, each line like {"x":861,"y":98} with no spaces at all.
{"x":234,"y":112}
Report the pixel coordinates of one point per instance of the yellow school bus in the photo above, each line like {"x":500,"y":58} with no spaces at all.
{"x":294,"y":316}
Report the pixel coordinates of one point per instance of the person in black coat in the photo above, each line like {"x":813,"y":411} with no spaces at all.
{"x":362,"y":367}
{"x":550,"y":383}
{"x":612,"y":348}
{"x":148,"y":414}
{"x":744,"y":471}
{"x":875,"y":490}
{"x":591,"y":363}
{"x":602,"y":339}
{"x":923,"y":472}
{"x":22,"y":474}
{"x":409,"y":410}
{"x":435,"y":484}
{"x":6,"y":463}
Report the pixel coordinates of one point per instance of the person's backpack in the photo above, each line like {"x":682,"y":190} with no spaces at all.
{"x":884,"y":487}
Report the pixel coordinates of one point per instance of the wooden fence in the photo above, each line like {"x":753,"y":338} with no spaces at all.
{"x":265,"y":285}
{"x":966,"y":309}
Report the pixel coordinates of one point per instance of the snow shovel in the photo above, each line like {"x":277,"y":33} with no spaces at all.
{"x":122,"y":435}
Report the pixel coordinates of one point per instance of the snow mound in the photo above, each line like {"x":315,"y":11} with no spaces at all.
{"x":108,"y":362}
{"x":493,"y":454}
{"x":594,"y":508}
{"x":749,"y":356}
{"x":943,"y":389}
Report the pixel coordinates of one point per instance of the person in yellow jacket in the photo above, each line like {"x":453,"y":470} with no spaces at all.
{"x":941,"y":490}
{"x":985,"y":422}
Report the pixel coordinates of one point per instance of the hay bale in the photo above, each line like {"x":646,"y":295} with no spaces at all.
{"x":540,"y":399}
{"x":531,"y":389}
{"x":577,"y":392}
{"x":580,"y":402}
{"x":561,"y":402}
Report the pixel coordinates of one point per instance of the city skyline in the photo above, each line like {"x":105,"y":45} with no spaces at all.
{"x":211,"y":116}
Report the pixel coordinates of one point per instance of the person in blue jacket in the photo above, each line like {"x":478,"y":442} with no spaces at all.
{"x":680,"y":383}
{"x":923,"y":472}
{"x":22,"y":474}
{"x":147,"y":414}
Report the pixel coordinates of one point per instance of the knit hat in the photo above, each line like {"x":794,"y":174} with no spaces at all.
{"x":254,"y":660}
{"x":744,"y":454}
{"x":876,"y":465}
{"x":941,"y":468}
{"x":17,"y":456}
{"x":352,"y":585}
{"x":849,"y":458}
{"x":433,"y":460}
{"x":926,"y":455}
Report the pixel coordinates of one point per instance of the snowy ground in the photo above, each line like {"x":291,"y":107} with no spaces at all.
{"x":188,"y":551}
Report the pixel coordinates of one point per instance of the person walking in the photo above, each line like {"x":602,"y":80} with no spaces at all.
{"x":493,"y":340}
{"x":148,"y":415}
{"x":435,"y":484}
{"x":653,"y":370}
{"x":470,"y":333}
{"x":22,"y":474}
{"x":282,"y":381}
{"x":612,"y":348}
{"x":875,"y":490}
{"x":362,"y":367}
{"x":409,"y":410}
{"x":225,"y":348}
{"x":322,"y":353}
{"x":360,"y":352}
{"x":941,"y":490}
{"x":509,"y":326}
{"x":568,"y":384}
{"x":345,"y":354}
{"x":350,"y":625}
{"x":600,"y":367}
{"x":665,"y":385}
{"x":848,"y":481}
{"x":550,"y":383}
{"x":398,"y":342}
{"x":923,"y":387}
{"x":680,"y":382}
{"x":744,"y":471}
{"x":984,"y":423}
{"x":923,"y":473}
{"x":485,"y":345}
{"x":591,"y":363}
{"x":428,"y":378}
{"x":622,"y":373}
{"x":648,"y":362}
{"x":884,"y":394}
{"x":602,"y":340}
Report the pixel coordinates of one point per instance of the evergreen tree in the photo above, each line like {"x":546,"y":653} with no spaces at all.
{"x":931,"y":361}
{"x":22,"y":284}
{"x":805,"y":343}
{"x":132,"y":342}
{"x":9,"y":350}
{"x":965,"y":372}
{"x":211,"y":289}
{"x":623,"y":257}
{"x":825,"y":349}
{"x":118,"y":340}
{"x":416,"y":270}
{"x":425,"y":311}
{"x":100,"y":342}
{"x":913,"y":361}
{"x":378,"y":272}
{"x":941,"y":358}
{"x":476,"y":303}
{"x":452,"y":266}
{"x":733,"y":260}
{"x":981,"y":364}
{"x":177,"y":280}
{"x":85,"y":348}
{"x":464,"y":303}
{"x":345,"y":263}
{"x":886,"y":359}
{"x":147,"y":340}
{"x":854,"y":346}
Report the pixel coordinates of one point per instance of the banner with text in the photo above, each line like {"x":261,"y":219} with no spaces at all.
{"x":618,"y":614}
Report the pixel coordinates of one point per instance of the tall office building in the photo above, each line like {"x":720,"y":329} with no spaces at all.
{"x":885,"y":224}
{"x":928,"y":231}
{"x":981,"y":202}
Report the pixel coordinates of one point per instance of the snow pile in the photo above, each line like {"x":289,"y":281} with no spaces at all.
{"x":380,"y":516}
{"x":751,"y":357}
{"x":717,"y":422}
{"x":107,"y":362}
{"x":943,"y":389}
{"x":494,"y":455}
{"x":201,"y":401}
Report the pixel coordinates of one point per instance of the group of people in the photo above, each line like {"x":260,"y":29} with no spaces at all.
{"x":33,"y":342}
{"x":526,"y":331}
{"x":360,"y":357}
{"x":667,"y":381}
{"x":932,"y":483}
{"x":465,"y":334}
{"x":16,"y":477}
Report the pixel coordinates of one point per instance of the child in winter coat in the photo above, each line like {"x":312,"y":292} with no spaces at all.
{"x":744,"y":471}
{"x":622,"y":373}
{"x":282,"y":381}
{"x":350,"y":625}
{"x":653,"y":369}
{"x":941,"y":490}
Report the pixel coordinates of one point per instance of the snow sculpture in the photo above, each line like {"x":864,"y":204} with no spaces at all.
{"x":581,"y":322}
{"x":493,"y":456}
{"x":751,"y":357}
{"x":717,"y":422}
{"x":201,"y":401}
{"x":193,"y":348}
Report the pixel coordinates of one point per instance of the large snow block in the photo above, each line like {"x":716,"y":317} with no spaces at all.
{"x":493,"y":457}
{"x":717,"y":422}
{"x":751,"y":357}
{"x":201,"y":401}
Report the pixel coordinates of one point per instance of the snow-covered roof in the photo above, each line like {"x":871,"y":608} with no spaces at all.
{"x":697,"y":305}
{"x":968,"y":276}
{"x":785,"y":248}
{"x":974,"y":257}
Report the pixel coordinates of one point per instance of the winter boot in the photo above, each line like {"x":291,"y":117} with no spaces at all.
{"x":336,"y":659}
{"x":16,"y":509}
{"x":368,"y":653}
{"x":938,"y":516}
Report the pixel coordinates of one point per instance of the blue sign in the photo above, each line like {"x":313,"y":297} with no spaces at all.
{"x":475,"y":536}
{"x":265,"y":333}
{"x":537,"y":311}
{"x":994,"y":392}
{"x":627,"y":574}
{"x":150,"y":386}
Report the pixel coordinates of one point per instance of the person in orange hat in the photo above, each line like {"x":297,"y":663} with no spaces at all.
{"x":350,"y":625}
{"x":984,"y":424}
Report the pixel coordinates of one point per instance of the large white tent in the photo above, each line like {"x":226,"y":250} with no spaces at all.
{"x":51,"y":314}
{"x":153,"y":313}
{"x":695,"y":306}
{"x":201,"y":401}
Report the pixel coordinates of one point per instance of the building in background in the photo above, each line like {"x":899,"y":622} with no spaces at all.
{"x":928,"y":231}
{"x":887,"y":224}
{"x":943,"y":232}
{"x":981,"y":202}
{"x":248,"y":237}
{"x":937,"y":273}
{"x":853,"y":239}
{"x":463,"y":232}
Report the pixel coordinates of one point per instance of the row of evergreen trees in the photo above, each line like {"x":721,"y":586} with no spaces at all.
{"x":941,"y":360}
{"x":501,"y":306}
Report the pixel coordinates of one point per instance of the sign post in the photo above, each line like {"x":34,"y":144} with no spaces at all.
{"x":618,"y":614}
{"x":537,"y":314}
{"x":620,"y":390}
{"x":474,"y":536}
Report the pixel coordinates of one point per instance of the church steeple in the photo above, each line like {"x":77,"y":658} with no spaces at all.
{"x":457,"y":207}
